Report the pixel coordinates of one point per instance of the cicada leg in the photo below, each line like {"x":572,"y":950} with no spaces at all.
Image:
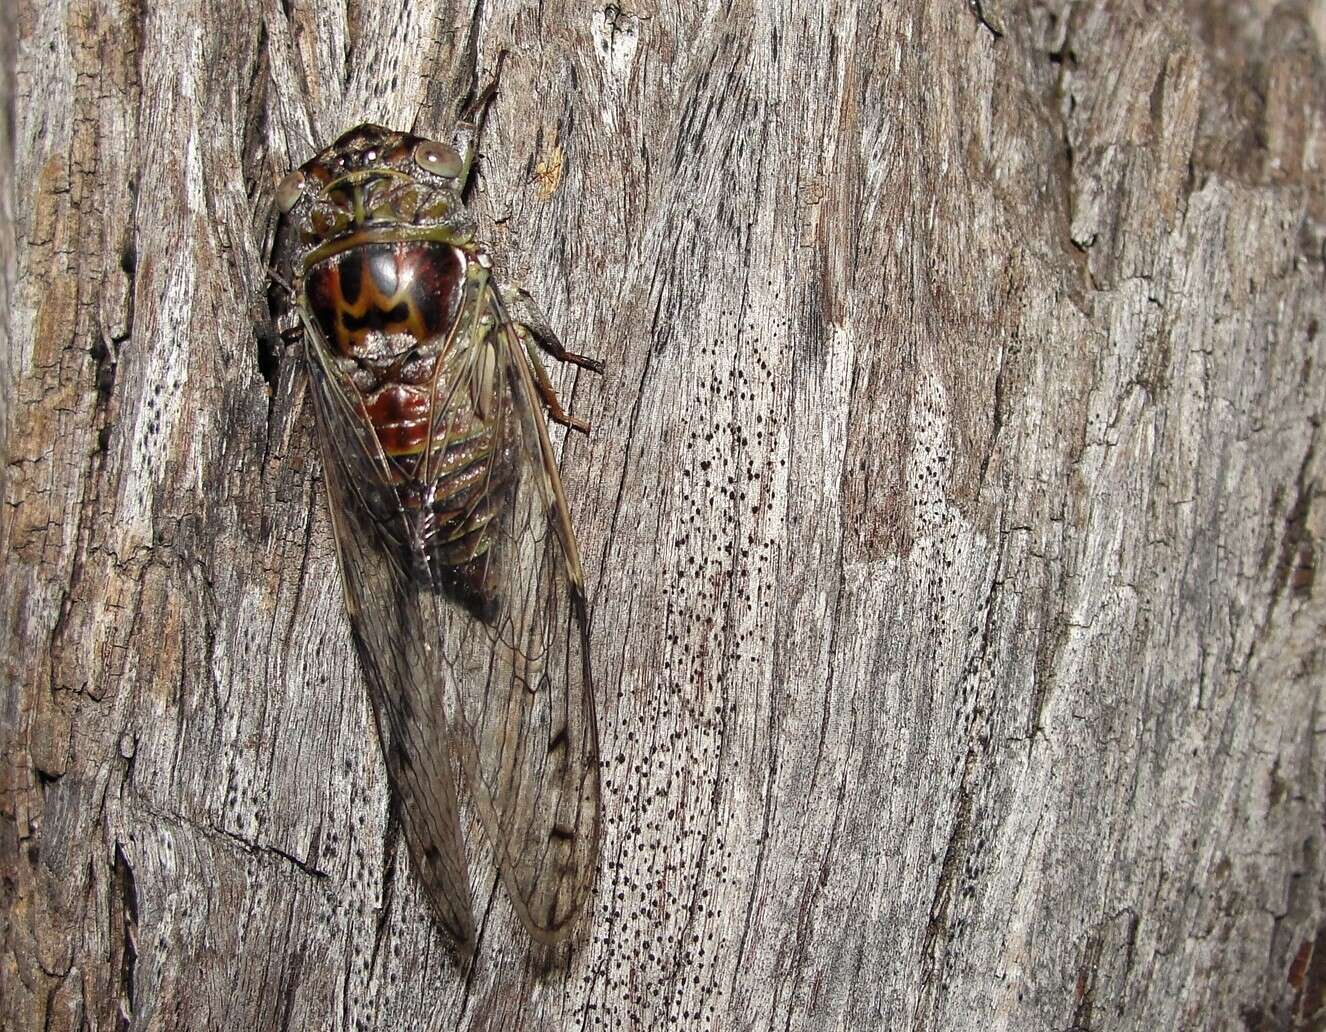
{"x":535,"y":333}
{"x":465,"y":137}
{"x":545,"y":387}
{"x":286,"y":327}
{"x":280,"y":281}
{"x":525,"y":310}
{"x":289,"y":328}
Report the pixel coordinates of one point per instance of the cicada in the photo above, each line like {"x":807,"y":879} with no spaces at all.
{"x":462,"y":578}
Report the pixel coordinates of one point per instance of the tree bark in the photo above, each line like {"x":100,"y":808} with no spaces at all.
{"x":951,"y":515}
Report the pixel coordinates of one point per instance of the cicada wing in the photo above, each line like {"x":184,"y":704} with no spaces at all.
{"x":376,"y":543}
{"x":523,"y":716}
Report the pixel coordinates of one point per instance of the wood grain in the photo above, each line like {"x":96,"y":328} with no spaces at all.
{"x":951,"y":517}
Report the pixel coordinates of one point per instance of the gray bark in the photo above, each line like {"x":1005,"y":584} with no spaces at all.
{"x":951,"y":516}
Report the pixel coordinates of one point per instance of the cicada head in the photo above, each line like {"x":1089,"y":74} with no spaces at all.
{"x":374,"y":183}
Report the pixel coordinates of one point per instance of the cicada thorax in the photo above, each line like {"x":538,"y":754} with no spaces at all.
{"x":402,"y":321}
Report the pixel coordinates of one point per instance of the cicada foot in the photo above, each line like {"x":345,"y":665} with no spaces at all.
{"x":554,"y":347}
{"x":290,"y":329}
{"x":559,"y":414}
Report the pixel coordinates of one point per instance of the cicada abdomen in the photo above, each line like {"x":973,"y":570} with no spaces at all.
{"x":462,"y":577}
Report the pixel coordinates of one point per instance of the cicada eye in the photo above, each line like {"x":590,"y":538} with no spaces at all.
{"x":433,"y":157}
{"x":289,"y":190}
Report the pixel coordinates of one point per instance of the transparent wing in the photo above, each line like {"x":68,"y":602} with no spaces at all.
{"x":523,"y":717}
{"x":378,"y":549}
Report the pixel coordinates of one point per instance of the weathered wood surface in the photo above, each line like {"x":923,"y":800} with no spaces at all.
{"x":951,"y":515}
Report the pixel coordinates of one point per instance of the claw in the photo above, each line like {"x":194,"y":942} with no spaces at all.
{"x":583,"y":361}
{"x":280,"y":281}
{"x":571,"y":422}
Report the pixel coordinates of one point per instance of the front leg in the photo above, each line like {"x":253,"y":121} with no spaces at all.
{"x":281,"y":332}
{"x":465,"y":137}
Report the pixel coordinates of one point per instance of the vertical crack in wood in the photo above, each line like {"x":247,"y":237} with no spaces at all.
{"x":389,"y":851}
{"x":1296,"y":566}
{"x":124,"y":936}
{"x":979,"y":10}
{"x":1084,"y":992}
{"x":937,"y":930}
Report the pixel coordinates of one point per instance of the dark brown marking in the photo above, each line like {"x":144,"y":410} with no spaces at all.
{"x":470,"y":586}
{"x":561,"y":834}
{"x":435,"y":291}
{"x":325,"y":299}
{"x":558,"y":741}
{"x":362,"y":137}
{"x":380,"y":318}
{"x":352,"y":278}
{"x":342,"y":197}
